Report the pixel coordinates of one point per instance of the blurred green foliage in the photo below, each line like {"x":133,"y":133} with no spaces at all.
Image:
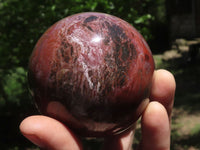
{"x":22,"y":22}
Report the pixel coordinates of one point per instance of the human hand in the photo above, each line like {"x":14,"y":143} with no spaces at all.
{"x":51,"y":134}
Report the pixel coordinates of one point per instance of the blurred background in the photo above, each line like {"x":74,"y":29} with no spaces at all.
{"x":171,"y":28}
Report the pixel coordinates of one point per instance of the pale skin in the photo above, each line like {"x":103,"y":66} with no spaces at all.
{"x":51,"y":134}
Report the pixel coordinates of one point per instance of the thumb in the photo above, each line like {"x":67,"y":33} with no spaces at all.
{"x":49,"y":133}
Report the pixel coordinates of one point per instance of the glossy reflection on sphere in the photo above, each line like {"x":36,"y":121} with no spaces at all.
{"x":93,"y":72}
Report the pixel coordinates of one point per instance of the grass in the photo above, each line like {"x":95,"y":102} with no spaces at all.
{"x":195,"y":130}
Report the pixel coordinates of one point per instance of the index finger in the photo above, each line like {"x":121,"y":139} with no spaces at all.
{"x":163,"y":89}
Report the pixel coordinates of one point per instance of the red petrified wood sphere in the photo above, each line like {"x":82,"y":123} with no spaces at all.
{"x":92,"y":72}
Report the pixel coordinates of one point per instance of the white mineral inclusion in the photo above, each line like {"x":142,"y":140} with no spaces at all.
{"x":76,"y":37}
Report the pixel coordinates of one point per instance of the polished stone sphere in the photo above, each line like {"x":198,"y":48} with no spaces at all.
{"x":93,"y":72}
